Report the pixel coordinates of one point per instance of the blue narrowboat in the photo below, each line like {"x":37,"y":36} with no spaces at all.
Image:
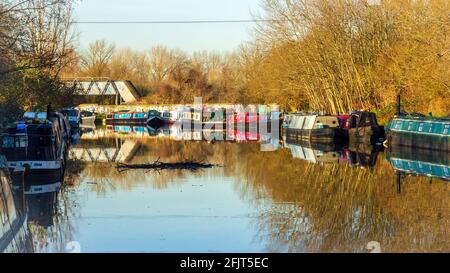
{"x":127,"y":117}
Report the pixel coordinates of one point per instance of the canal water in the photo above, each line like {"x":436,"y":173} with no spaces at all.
{"x":260,"y":197}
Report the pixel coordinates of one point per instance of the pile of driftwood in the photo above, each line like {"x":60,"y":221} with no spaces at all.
{"x":159,"y":166}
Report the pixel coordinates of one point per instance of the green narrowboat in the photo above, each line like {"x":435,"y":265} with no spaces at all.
{"x":419,"y":132}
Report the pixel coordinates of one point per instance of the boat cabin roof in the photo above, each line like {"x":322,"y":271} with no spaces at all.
{"x":309,"y":122}
{"x":423,"y":118}
{"x":70,"y":112}
{"x":35,"y":115}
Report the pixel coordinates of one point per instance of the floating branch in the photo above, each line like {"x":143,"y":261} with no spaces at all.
{"x":159,"y":166}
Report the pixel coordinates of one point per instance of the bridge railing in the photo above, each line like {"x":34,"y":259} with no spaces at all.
{"x":101,"y":86}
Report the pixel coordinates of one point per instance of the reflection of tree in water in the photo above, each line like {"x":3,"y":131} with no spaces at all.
{"x":104,"y":177}
{"x":337,"y":208}
{"x":312,"y":207}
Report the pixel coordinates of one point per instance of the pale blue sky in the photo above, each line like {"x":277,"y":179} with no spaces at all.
{"x":189,"y":37}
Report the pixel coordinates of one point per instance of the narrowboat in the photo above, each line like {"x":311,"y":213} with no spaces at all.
{"x":419,"y":132}
{"x":170,"y":117}
{"x":313,"y":128}
{"x":126,"y":117}
{"x":67,"y":130}
{"x":37,"y":142}
{"x":87,"y":117}
{"x":155,"y":119}
{"x":361,"y":127}
{"x":73,"y":116}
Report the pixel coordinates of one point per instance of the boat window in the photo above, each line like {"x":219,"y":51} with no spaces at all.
{"x":139,"y":115}
{"x":421,"y":127}
{"x":446,"y":129}
{"x":139,"y":129}
{"x":124,"y":116}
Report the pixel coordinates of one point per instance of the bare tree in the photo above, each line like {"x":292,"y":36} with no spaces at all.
{"x":36,"y":34}
{"x":164,"y":61}
{"x":97,"y":58}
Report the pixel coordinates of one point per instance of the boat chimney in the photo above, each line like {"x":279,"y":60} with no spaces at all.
{"x":398,"y":105}
{"x":49,"y":110}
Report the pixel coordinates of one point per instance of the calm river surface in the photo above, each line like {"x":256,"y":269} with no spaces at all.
{"x":261,"y":197}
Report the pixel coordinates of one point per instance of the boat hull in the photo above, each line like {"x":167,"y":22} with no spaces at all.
{"x":156,"y":122}
{"x":126,"y":121}
{"x":366,"y":135}
{"x":419,"y":132}
{"x":323,"y":134}
{"x":417,"y":140}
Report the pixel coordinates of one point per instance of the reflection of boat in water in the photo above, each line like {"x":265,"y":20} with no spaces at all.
{"x":361,"y":158}
{"x":40,"y":195}
{"x":127,"y":129}
{"x":332,"y":152}
{"x":244,"y":136}
{"x":420,"y":162}
{"x":307,"y":151}
{"x":42,"y":207}
{"x":14,"y":234}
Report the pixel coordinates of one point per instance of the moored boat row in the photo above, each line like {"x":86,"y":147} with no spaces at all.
{"x":356,"y":128}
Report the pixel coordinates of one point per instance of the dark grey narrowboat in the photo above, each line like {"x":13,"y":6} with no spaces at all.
{"x":38,"y":142}
{"x":313,"y":128}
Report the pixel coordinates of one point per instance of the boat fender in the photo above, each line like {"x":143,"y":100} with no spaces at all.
{"x":386,"y":144}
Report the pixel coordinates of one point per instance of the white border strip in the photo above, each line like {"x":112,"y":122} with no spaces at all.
{"x":35,"y":165}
